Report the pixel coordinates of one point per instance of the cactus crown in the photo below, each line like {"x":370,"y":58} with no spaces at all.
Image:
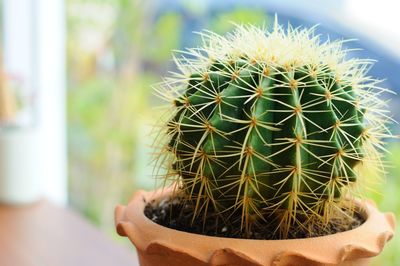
{"x":272,"y":126}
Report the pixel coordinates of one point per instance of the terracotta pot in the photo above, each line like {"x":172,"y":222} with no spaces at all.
{"x":160,"y":246}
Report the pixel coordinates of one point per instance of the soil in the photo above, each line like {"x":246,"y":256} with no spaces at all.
{"x":175,"y":215}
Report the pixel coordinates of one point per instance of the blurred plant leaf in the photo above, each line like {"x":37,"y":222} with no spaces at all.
{"x":223,"y":22}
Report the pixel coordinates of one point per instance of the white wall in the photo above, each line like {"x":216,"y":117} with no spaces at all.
{"x":34,"y":49}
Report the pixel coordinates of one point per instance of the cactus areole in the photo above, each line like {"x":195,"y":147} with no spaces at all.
{"x":271,"y":126}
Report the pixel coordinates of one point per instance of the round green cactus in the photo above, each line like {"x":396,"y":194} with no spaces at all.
{"x":272,"y":126}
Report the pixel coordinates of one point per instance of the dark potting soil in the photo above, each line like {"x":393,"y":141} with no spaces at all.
{"x":175,"y":215}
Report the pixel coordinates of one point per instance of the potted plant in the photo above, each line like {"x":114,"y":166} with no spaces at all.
{"x":265,"y":142}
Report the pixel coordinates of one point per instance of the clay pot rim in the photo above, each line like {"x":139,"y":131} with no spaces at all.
{"x":367,"y":240}
{"x":366,"y":208}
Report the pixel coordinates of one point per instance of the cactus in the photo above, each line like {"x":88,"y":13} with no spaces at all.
{"x":271,"y":125}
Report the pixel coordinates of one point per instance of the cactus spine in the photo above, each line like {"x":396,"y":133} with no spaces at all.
{"x":271,"y":125}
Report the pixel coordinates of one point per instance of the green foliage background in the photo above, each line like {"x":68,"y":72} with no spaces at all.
{"x":116,"y":50}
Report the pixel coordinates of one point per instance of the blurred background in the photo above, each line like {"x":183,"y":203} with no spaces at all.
{"x":76,"y":75}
